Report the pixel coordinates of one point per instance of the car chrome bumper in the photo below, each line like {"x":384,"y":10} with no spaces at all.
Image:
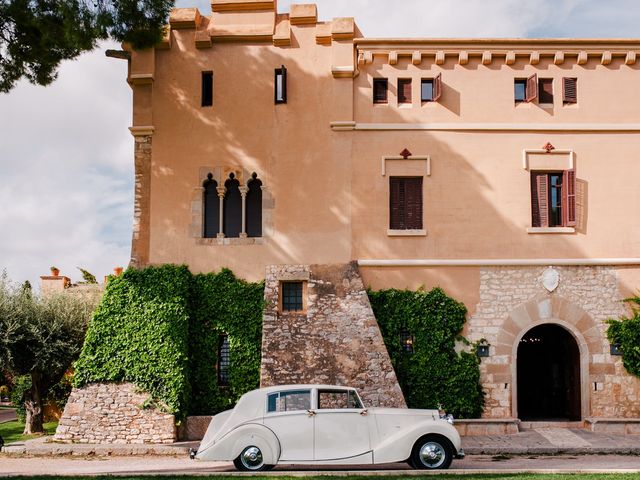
{"x":460,"y":455}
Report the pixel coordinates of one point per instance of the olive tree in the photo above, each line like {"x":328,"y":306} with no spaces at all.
{"x":40,"y":336}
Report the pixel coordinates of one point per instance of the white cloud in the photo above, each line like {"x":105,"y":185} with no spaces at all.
{"x":66,"y":157}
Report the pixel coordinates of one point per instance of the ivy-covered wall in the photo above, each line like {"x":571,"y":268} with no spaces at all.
{"x":159,"y":327}
{"x":432,"y":374}
{"x":626,"y":333}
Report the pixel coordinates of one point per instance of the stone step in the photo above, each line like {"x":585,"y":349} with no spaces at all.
{"x":535,"y":425}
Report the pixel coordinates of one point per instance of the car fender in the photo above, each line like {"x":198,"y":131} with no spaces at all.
{"x":233,"y":443}
{"x":397,"y":447}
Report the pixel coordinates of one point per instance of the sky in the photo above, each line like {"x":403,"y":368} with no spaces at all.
{"x":66,"y":155}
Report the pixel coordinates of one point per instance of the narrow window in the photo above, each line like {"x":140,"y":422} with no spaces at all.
{"x":380,"y":90}
{"x":224,"y":360}
{"x":211,"y":208}
{"x":207,"y":89}
{"x":292,"y":300}
{"x":404,"y":90}
{"x":426,"y":90}
{"x":405,"y":203}
{"x":570,"y":90}
{"x":232,"y":216}
{"x":545,"y":91}
{"x":520,"y":89}
{"x":553,"y":202}
{"x":526,"y":89}
{"x":254,"y":207}
{"x":280,"y":89}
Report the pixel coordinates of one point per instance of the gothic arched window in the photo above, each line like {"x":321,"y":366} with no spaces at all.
{"x":211,"y":208}
{"x":232,"y":218}
{"x":254,"y":207}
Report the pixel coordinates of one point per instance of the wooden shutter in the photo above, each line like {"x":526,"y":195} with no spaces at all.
{"x":545,"y":90}
{"x":570,"y":90}
{"x":413,"y":209}
{"x":539,"y":199}
{"x":437,"y":87}
{"x":404,"y":90}
{"x":405,"y":203}
{"x":380,"y":90}
{"x":569,"y":198}
{"x":531,"y":90}
{"x":396,"y":202}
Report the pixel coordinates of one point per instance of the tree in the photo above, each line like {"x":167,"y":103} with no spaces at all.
{"x":40,"y":337}
{"x":36,"y":35}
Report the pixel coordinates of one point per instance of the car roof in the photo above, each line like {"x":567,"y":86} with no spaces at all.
{"x":307,"y":386}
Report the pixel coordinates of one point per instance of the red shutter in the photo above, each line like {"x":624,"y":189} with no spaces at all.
{"x":404,"y":90}
{"x":570,"y":90}
{"x":569,"y":197}
{"x":531,"y":90}
{"x":539,"y":199}
{"x":545,"y":90}
{"x":437,"y":87}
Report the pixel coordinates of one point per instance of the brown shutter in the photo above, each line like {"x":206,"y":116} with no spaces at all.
{"x":545,"y":90}
{"x":379,"y":90}
{"x":570,"y":90}
{"x":413,"y":203}
{"x":396,"y":200}
{"x":404,"y":90}
{"x":531,"y":90}
{"x":539,"y":199}
{"x":437,"y":87}
{"x":569,"y":197}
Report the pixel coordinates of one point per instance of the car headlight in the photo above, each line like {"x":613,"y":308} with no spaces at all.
{"x":447,"y":418}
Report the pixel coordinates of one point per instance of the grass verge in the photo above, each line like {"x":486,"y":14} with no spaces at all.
{"x":12,"y":431}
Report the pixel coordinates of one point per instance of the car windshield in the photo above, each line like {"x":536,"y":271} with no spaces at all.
{"x":335,"y":399}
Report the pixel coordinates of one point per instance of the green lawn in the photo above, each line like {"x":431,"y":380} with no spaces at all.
{"x":522,"y":476}
{"x":12,"y":431}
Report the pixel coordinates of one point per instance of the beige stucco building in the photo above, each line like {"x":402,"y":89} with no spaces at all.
{"x":502,"y":170}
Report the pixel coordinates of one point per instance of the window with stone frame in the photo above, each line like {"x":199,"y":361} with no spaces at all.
{"x":211,"y":207}
{"x":292,"y":296}
{"x":553,"y":198}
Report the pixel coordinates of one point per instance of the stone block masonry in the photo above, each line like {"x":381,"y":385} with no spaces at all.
{"x":113,"y":413}
{"x":335,"y":340}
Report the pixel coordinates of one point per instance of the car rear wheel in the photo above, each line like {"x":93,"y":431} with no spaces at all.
{"x":250,"y":460}
{"x":432,"y":452}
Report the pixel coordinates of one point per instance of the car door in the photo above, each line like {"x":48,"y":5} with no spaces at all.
{"x":341,"y":425}
{"x":290,"y":417}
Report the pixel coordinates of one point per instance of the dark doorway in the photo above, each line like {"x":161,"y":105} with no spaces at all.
{"x":548,"y":375}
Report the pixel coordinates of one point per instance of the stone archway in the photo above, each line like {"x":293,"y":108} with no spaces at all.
{"x":566,"y":314}
{"x":548,"y":374}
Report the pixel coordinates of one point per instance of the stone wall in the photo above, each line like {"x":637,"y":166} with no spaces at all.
{"x":113,"y":413}
{"x":141,"y":200}
{"x":336,"y":341}
{"x":512,"y":300}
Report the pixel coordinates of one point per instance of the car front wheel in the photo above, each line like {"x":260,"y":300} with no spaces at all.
{"x":250,"y":460}
{"x":432,"y":452}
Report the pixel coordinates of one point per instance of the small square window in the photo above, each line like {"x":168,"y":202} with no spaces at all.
{"x":404,"y":90}
{"x":380,"y":90}
{"x":292,"y":296}
{"x":545,"y":91}
{"x":426,"y":90}
{"x":520,"y":90}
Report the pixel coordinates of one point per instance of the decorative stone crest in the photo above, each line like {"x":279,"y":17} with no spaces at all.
{"x":550,"y":279}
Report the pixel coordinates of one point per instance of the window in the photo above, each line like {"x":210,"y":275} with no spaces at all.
{"x":254,"y":207}
{"x":553,"y":199}
{"x":223,"y":361}
{"x":280,"y":86}
{"x":405,"y":203}
{"x":525,"y":89}
{"x":545,"y":91}
{"x":406,"y":340}
{"x":431,"y":89}
{"x":211,"y":208}
{"x":289,"y":401}
{"x":334,"y":399}
{"x":569,"y":90}
{"x":404,"y":90}
{"x":380,"y":90}
{"x":207,"y":89}
{"x":232,"y":221}
{"x":292,"y":298}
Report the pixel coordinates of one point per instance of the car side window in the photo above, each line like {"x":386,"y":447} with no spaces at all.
{"x":335,"y":399}
{"x":289,"y":401}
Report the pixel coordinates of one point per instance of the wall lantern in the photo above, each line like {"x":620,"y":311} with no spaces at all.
{"x":482,"y":351}
{"x":406,"y":340}
{"x":615,"y":349}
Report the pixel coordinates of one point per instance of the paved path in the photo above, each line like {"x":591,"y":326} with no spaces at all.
{"x":165,"y":465}
{"x":7,"y":415}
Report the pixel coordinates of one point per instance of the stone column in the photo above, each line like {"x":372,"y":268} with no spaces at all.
{"x":243,"y":193}
{"x":142,"y":192}
{"x":221,"y":192}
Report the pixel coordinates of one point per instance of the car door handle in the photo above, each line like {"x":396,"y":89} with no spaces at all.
{"x":364,"y":412}
{"x":310,"y":413}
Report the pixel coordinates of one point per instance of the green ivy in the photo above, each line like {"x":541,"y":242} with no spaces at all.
{"x":159,"y":327}
{"x":434,"y":374}
{"x":626,"y":333}
{"x":140,"y":333}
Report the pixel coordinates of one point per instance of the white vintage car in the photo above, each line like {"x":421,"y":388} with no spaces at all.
{"x":320,"y":424}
